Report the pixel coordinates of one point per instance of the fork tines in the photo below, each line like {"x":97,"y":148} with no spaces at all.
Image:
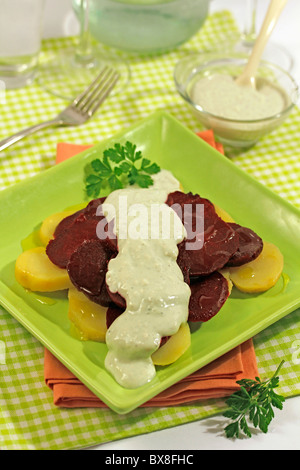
{"x":89,"y":101}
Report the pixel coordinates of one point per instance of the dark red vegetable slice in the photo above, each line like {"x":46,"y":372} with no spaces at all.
{"x":219,"y":240}
{"x":184,"y":269}
{"x":208,"y":295}
{"x":91,"y":209}
{"x":117,"y":299}
{"x":66,"y":223}
{"x":112,"y":314}
{"x":87,"y":270}
{"x":164,"y":340}
{"x":250,"y":246}
{"x":61,"y":248}
{"x":102,"y":299}
{"x":73,"y":232}
{"x":87,"y":212}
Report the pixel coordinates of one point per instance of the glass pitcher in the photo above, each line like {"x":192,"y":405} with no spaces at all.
{"x":145,"y":26}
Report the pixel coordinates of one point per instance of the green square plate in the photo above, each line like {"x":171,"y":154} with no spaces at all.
{"x":200,"y":169}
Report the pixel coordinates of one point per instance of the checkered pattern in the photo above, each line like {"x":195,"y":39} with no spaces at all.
{"x":28,"y":419}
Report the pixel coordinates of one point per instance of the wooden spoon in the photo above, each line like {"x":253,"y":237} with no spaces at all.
{"x":247,"y":77}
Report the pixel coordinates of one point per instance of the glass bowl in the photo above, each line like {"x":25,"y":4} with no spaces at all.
{"x":145,"y":26}
{"x":233,"y":132}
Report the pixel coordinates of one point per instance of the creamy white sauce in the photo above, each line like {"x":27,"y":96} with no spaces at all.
{"x":222,"y":96}
{"x":145,"y":272}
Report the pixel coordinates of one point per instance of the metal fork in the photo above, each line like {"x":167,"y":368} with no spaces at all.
{"x":79,"y":111}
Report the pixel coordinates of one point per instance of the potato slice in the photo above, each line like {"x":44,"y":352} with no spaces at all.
{"x":49,"y":225}
{"x":175,"y":347}
{"x":88,"y":318}
{"x":225,"y":273}
{"x":34,"y":271}
{"x":262,"y":273}
{"x":223,"y":214}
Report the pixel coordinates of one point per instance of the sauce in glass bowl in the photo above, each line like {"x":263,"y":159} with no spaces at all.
{"x":239,"y":116}
{"x":221,"y":95}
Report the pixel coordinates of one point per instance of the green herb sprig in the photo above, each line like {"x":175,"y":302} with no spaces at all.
{"x":255,"y":400}
{"x":120,"y":166}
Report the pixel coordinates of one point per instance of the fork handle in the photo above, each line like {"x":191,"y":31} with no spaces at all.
{"x":29,"y":131}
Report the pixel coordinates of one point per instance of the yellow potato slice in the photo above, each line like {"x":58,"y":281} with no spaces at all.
{"x":34,"y":271}
{"x":262,"y":273}
{"x":175,"y":347}
{"x":88,"y":318}
{"x":225,"y":273}
{"x":49,"y":225}
{"x":223,"y":214}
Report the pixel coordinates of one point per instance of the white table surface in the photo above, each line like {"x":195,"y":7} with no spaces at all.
{"x":284,"y":431}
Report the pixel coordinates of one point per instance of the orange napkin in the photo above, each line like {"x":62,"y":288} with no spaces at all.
{"x":208,"y":136}
{"x":216,"y":380}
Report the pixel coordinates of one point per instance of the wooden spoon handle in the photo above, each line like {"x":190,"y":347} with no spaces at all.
{"x":270,"y":20}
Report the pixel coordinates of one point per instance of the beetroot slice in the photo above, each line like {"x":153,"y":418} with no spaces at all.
{"x":72,"y":232}
{"x":91,"y":209}
{"x":164,"y":340}
{"x":66,"y":223}
{"x":102,"y":299}
{"x":61,"y":248}
{"x":184,"y":269}
{"x":116,"y":298}
{"x":220,"y":241}
{"x":208,"y":295}
{"x":250,"y":246}
{"x":87,"y":212}
{"x":112,"y":314}
{"x":87,"y":270}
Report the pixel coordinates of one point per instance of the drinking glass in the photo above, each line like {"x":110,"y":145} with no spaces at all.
{"x":69,"y":72}
{"x":20,"y":41}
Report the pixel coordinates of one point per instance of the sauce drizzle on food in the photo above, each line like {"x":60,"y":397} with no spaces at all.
{"x":146,"y":274}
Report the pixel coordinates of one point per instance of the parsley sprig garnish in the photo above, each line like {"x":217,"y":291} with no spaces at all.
{"x":255,"y":400}
{"x":120,"y":166}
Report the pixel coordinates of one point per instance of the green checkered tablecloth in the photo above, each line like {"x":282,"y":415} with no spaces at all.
{"x":28,"y":418}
